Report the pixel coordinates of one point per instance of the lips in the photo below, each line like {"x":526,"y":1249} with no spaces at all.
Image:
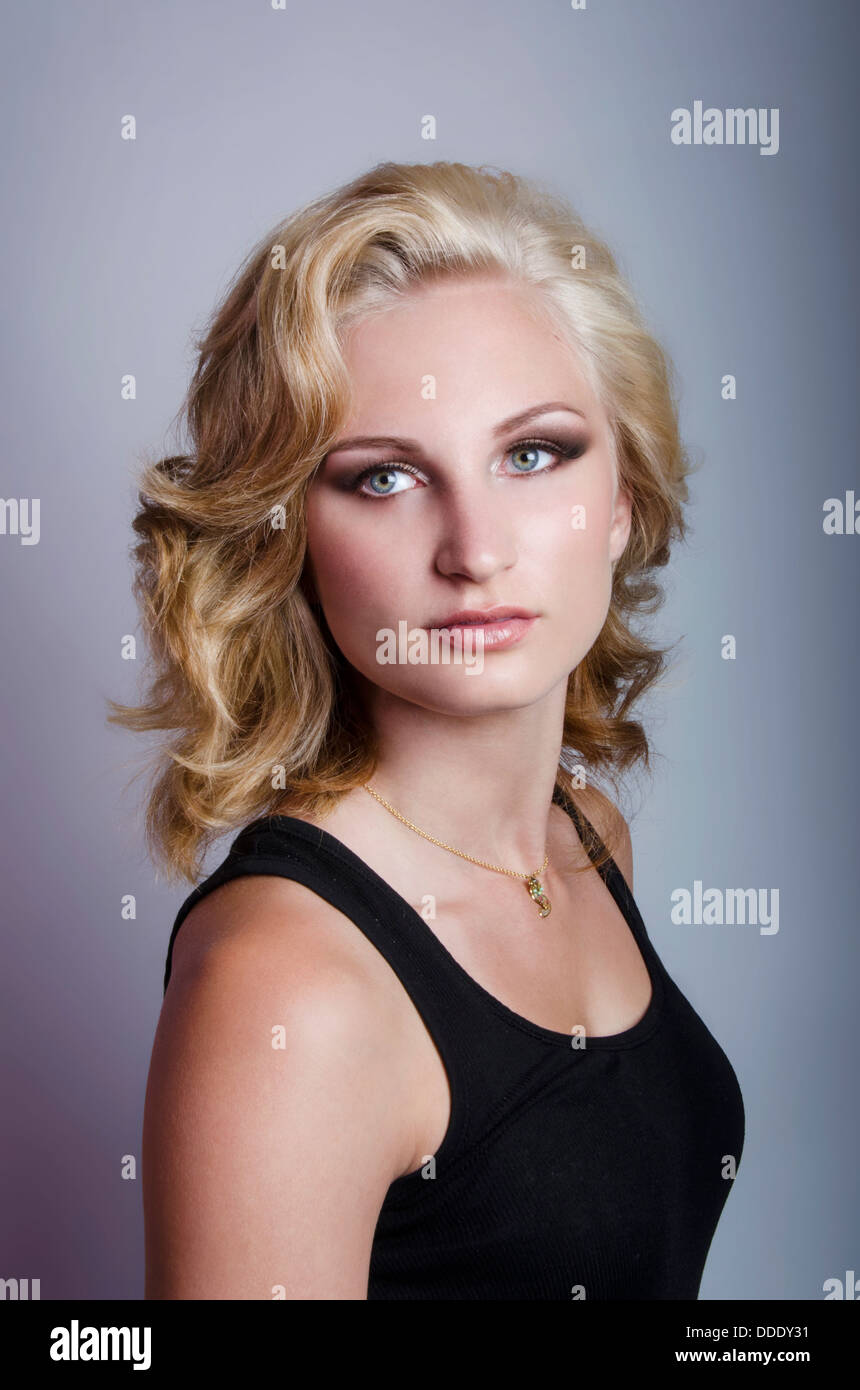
{"x":478,"y":617}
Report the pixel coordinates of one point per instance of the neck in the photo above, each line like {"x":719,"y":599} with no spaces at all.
{"x":481,"y":783}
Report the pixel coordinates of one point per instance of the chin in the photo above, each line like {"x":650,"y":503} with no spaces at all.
{"x":493,"y":690}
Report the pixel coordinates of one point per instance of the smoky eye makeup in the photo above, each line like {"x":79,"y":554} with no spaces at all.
{"x":563,"y":446}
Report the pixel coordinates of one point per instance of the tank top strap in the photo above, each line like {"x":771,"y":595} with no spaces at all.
{"x":609,"y":872}
{"x":582,"y":823}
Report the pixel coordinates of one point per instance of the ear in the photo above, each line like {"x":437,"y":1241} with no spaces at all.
{"x":620,"y":527}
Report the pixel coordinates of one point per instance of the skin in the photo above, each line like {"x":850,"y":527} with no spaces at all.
{"x":266,"y":1169}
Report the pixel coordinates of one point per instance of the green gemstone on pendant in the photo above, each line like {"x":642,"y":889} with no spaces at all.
{"x":533,"y":884}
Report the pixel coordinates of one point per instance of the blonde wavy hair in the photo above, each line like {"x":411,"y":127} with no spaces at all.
{"x":243,"y":667}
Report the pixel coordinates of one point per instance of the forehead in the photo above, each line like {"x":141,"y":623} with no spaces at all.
{"x":484,"y":341}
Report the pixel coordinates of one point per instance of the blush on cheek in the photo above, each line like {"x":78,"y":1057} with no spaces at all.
{"x":358,"y":597}
{"x":341,"y":571}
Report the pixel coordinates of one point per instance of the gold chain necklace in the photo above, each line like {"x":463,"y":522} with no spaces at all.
{"x":532,"y":882}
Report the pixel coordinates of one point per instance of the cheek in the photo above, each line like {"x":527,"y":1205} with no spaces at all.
{"x":569,"y":560}
{"x":351,"y":573}
{"x":575,"y":539}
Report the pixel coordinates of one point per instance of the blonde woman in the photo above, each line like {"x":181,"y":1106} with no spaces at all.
{"x":415,"y":1041}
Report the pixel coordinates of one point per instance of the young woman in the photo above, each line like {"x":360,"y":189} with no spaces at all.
{"x":415,"y":1041}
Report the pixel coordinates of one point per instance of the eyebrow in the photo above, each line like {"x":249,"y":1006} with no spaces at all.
{"x":380,"y":441}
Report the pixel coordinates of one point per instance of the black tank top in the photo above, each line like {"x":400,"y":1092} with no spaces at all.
{"x":566,"y":1172}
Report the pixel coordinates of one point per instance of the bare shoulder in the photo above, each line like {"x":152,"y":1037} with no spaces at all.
{"x":265,"y":942}
{"x":610,"y":826}
{"x":278,"y":918}
{"x":273,"y":1121}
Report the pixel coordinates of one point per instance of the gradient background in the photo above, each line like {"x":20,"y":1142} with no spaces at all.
{"x":114,"y":253}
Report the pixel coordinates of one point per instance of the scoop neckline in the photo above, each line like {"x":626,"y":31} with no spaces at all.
{"x":630,"y":1037}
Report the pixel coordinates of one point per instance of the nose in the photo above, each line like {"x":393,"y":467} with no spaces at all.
{"x":477,"y":535}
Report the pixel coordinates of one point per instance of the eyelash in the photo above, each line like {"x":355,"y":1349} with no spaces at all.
{"x":564,"y":452}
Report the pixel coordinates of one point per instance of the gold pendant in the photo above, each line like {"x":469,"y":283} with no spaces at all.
{"x":536,"y":890}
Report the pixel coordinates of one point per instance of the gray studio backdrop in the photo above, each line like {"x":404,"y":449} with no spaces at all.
{"x":744,"y":259}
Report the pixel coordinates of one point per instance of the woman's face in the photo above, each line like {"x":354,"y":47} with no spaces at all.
{"x":464,"y":511}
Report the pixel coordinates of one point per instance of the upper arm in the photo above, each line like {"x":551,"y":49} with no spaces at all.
{"x":271,"y":1133}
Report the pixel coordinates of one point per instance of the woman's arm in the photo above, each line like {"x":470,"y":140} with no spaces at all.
{"x":264,"y":1168}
